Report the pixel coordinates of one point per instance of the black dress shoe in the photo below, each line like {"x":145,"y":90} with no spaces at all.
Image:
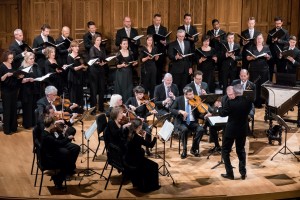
{"x":243,"y":177}
{"x":183,"y":155}
{"x":297,"y":153}
{"x":195,"y":152}
{"x":228,"y":176}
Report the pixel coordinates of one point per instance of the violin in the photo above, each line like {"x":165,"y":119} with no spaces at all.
{"x":196,"y":102}
{"x":148,"y":102}
{"x":62,"y":102}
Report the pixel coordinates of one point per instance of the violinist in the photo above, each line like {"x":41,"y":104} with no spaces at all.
{"x":138,"y":105}
{"x":59,"y":151}
{"x":143,"y":172}
{"x":187,"y":120}
{"x":115,"y":101}
{"x":199,"y":87}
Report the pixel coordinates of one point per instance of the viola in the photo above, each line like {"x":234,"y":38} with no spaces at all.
{"x":148,"y":102}
{"x":62,"y":102}
{"x":196,"y":102}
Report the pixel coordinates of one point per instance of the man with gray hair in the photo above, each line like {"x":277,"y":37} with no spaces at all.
{"x":16,"y":48}
{"x":165,"y":94}
{"x":180,"y":66}
{"x":186,"y":121}
{"x":237,"y":108}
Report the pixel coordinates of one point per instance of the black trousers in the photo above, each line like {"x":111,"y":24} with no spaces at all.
{"x":9,"y":99}
{"x":228,"y":74}
{"x":97,"y":85}
{"x":74,"y":150}
{"x":149,"y":74}
{"x":184,"y":131}
{"x":28,"y":111}
{"x":180,"y":80}
{"x":160,"y":64}
{"x":240,"y":150}
{"x":213,"y":134}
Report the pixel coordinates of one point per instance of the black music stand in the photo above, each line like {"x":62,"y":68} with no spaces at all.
{"x":165,"y":133}
{"x":282,"y":123}
{"x":210,"y":98}
{"x":154,"y":125}
{"x":85,"y":114}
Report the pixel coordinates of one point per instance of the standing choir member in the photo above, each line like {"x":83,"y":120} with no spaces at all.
{"x":15,"y":47}
{"x":75,"y":74}
{"x":10,"y":85}
{"x":206,"y":60}
{"x":250,"y":34}
{"x":189,"y":30}
{"x":149,"y":70}
{"x":38,"y":42}
{"x":160,"y":43}
{"x":129,"y":33}
{"x":181,"y":67}
{"x":51,"y":66}
{"x":123,"y":82}
{"x":30,"y":91}
{"x":258,"y":66}
{"x":63,"y":50}
{"x":97,"y":73}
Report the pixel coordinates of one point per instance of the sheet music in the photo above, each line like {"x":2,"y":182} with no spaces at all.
{"x":89,"y":132}
{"x":138,"y":37}
{"x":217,"y":120}
{"x":27,"y":69}
{"x":166,"y":130}
{"x":43,"y":77}
{"x":92,"y":61}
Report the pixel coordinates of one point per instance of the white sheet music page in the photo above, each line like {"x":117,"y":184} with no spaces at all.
{"x":217,"y":120}
{"x":166,"y":130}
{"x":91,"y":130}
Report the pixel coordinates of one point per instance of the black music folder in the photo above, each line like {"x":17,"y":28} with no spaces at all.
{"x":191,"y":36}
{"x":26,"y":47}
{"x":158,"y":36}
{"x":202,"y":54}
{"x":210,"y":98}
{"x":245,"y":39}
{"x":277,"y":34}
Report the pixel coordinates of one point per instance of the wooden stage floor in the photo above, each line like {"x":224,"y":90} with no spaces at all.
{"x":194,"y":178}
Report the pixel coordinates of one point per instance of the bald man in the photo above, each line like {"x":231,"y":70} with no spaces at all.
{"x":63,"y":50}
{"x":16,"y":49}
{"x":128,"y":32}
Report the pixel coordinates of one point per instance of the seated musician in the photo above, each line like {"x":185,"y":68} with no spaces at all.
{"x":115,"y":128}
{"x":213,"y":130}
{"x":49,"y":99}
{"x":57,"y":151}
{"x":199,"y":87}
{"x":187,"y":120}
{"x":138,"y":105}
{"x":115,"y":101}
{"x":143,"y":172}
{"x":165,"y":94}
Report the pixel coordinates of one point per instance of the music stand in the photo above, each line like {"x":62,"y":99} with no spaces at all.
{"x":165,"y":133}
{"x":85,"y":114}
{"x":155,"y":123}
{"x":282,"y":123}
{"x":210,"y":98}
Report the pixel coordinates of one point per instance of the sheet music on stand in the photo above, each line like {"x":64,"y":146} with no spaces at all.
{"x":90,"y":131}
{"x":217,"y":120}
{"x":210,"y":98}
{"x":166,"y":130}
{"x":85,"y":114}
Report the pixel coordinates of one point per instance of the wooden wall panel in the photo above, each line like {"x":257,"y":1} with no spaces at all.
{"x":9,"y":21}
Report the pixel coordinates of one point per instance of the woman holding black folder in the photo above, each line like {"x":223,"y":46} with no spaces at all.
{"x":258,"y":55}
{"x":10,"y":85}
{"x":30,"y":91}
{"x":51,"y":66}
{"x":148,"y":70}
{"x":123,"y":81}
{"x":97,"y":73}
{"x":206,"y":58}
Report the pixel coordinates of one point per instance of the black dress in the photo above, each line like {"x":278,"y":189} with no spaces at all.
{"x":148,"y":71}
{"x":207,"y":67}
{"x":259,"y":67}
{"x":97,"y":78}
{"x":142,"y":171}
{"x":56,"y":79}
{"x":29,"y":95}
{"x":123,"y":81}
{"x":9,"y":94}
{"x":75,"y":80}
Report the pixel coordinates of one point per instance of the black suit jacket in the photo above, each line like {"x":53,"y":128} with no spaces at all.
{"x":39,"y":56}
{"x":229,"y":63}
{"x":162,"y":31}
{"x":192,"y":31}
{"x":160,"y":94}
{"x":204,"y":86}
{"x":17,"y":51}
{"x":87,"y":41}
{"x":133,"y":46}
{"x":284,"y":40}
{"x":214,"y":43}
{"x":140,"y":111}
{"x":237,"y":111}
{"x":180,"y":65}
{"x":288,"y":65}
{"x":179,"y":104}
{"x":246,"y":34}
{"x":62,"y":51}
